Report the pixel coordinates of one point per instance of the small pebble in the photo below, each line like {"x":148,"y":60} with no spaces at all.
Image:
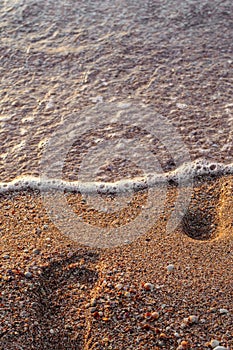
{"x":181,"y":105}
{"x":183,"y":324}
{"x":93,"y":302}
{"x":147,"y":315}
{"x":97,"y":99}
{"x":36,"y":251}
{"x":119,"y":286}
{"x":148,"y":286}
{"x":163,"y":336}
{"x":214,"y":343}
{"x":193,"y":319}
{"x":49,"y":105}
{"x":220,"y":348}
{"x":223,"y":311}
{"x":28,"y":274}
{"x":23,"y":313}
{"x":212,"y":309}
{"x":155,"y":315}
{"x":170,"y":267}
{"x":184,"y":344}
{"x":6,"y":256}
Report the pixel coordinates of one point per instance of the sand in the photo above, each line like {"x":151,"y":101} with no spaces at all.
{"x":58,"y":294}
{"x":59,"y":59}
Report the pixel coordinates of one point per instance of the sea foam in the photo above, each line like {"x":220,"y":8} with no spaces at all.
{"x":183,"y":174}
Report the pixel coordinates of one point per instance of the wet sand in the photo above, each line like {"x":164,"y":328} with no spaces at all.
{"x":56,"y":294}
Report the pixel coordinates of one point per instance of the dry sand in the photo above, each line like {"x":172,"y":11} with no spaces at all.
{"x":56,"y":294}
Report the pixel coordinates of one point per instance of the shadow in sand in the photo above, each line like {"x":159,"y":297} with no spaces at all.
{"x":209,"y":215}
{"x":57,"y":296}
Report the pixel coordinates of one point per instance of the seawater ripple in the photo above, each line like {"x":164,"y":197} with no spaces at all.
{"x":183,"y":174}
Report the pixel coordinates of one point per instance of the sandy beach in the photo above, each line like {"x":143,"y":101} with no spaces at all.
{"x":159,"y":292}
{"x":68,"y":70}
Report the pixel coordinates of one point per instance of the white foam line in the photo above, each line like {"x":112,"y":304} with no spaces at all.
{"x":183,"y":174}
